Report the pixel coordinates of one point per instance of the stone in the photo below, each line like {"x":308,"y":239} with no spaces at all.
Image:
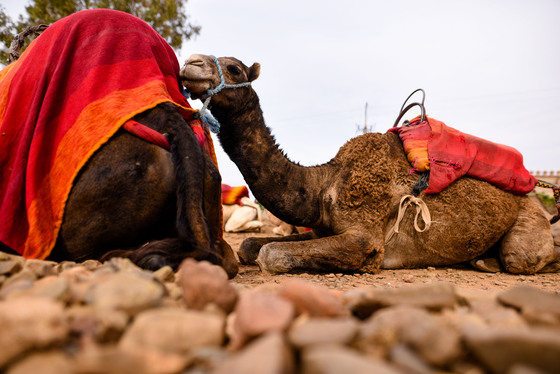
{"x":164,"y":274}
{"x":51,"y":362}
{"x":21,"y":276}
{"x":102,"y":325}
{"x":257,"y":313}
{"x":15,"y":287}
{"x":433,"y":297}
{"x":537,"y":306}
{"x":312,"y":299}
{"x":173,"y":330}
{"x":269,"y":354}
{"x":126,"y":291}
{"x":29,"y":323}
{"x":41,"y":268}
{"x":50,"y":287}
{"x":496,"y":315}
{"x":204,"y":283}
{"x":332,"y":359}
{"x":9,"y":267}
{"x":113,"y":360}
{"x":408,"y":361}
{"x":500,"y":350}
{"x":314,"y":331}
{"x":432,"y":338}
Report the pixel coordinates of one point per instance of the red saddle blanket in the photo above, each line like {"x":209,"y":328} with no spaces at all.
{"x":69,"y":92}
{"x":453,"y":154}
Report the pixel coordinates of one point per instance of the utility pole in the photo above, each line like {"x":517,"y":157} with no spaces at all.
{"x":365,"y":122}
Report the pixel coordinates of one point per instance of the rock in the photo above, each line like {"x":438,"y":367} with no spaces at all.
{"x":204,"y":283}
{"x":41,"y":268}
{"x":317,"y":301}
{"x":50,"y":287}
{"x":102,"y":325}
{"x":257,"y":313}
{"x":30,"y":323}
{"x":164,"y":274}
{"x":52,"y":362}
{"x":408,"y":361}
{"x":112,"y":360}
{"x":434,"y":297}
{"x":21,"y":276}
{"x":431,"y":338}
{"x":126,"y":291}
{"x":173,"y":330}
{"x":15,"y":287}
{"x":500,"y":350}
{"x":269,"y":354}
{"x":9,"y":267}
{"x":314,"y":331}
{"x":537,"y":306}
{"x":496,"y":315}
{"x":336,"y":359}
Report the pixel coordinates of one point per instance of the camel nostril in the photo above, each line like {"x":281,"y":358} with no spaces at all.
{"x":195,"y":62}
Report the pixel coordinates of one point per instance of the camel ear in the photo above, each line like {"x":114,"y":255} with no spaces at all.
{"x":254,"y":71}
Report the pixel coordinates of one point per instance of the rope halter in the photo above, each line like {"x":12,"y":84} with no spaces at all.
{"x":203,"y":113}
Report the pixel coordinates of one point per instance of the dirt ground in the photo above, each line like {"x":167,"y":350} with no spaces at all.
{"x":463,"y":276}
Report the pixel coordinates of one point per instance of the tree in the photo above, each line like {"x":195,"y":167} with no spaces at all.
{"x":7,"y":32}
{"x":167,"y":17}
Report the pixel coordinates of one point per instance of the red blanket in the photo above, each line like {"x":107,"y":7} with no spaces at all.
{"x":69,"y":92}
{"x":454,"y":154}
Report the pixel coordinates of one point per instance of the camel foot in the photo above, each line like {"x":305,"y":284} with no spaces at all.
{"x":249,"y":250}
{"x":488,"y":265}
{"x":272,"y":261}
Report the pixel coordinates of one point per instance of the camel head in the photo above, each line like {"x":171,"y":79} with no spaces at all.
{"x":200,"y":74}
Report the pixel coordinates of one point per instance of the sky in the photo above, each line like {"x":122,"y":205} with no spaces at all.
{"x":489,"y":68}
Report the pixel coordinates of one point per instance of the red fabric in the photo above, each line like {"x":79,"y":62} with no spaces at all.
{"x":454,"y":154}
{"x":233,"y":195}
{"x":69,"y":92}
{"x":146,"y":133}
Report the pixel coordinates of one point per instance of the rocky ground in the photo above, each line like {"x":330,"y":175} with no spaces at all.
{"x":116,"y":318}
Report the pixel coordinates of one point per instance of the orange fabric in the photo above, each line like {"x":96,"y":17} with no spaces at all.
{"x":68,"y":93}
{"x":233,"y":195}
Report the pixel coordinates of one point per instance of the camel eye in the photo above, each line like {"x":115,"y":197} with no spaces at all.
{"x":234,"y":69}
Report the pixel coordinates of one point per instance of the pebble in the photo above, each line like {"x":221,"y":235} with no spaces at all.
{"x":116,"y":318}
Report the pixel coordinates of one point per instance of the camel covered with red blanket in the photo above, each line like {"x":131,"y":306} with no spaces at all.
{"x":74,"y":184}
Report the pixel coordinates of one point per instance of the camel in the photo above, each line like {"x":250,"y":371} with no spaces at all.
{"x":352,"y":202}
{"x":129,"y":191}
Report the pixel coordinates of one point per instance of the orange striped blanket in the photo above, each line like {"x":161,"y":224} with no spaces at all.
{"x":67,"y":95}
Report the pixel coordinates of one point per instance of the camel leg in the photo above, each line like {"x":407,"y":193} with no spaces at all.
{"x":347,"y":252}
{"x":528,"y":246}
{"x":249,"y":249}
{"x":213,"y":211}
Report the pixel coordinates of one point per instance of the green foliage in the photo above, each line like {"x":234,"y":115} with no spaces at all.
{"x":167,"y":17}
{"x":546,"y":199}
{"x":7,"y":33}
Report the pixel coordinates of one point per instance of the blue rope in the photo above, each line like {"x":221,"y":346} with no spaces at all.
{"x":203,"y":114}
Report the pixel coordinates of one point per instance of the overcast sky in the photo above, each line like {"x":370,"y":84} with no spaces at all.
{"x":490,"y":68}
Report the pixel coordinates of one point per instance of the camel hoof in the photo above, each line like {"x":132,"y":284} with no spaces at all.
{"x":274,"y":262}
{"x":249,"y":251}
{"x":488,"y":265}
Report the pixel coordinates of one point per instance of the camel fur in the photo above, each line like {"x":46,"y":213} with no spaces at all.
{"x":352,"y":201}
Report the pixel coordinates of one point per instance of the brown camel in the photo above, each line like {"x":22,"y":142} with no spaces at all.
{"x":129,"y":191}
{"x":351,"y":202}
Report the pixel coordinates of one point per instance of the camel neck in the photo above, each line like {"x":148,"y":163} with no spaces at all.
{"x":290,"y":191}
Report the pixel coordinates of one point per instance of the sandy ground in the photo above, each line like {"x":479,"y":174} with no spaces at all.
{"x":463,"y":276}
